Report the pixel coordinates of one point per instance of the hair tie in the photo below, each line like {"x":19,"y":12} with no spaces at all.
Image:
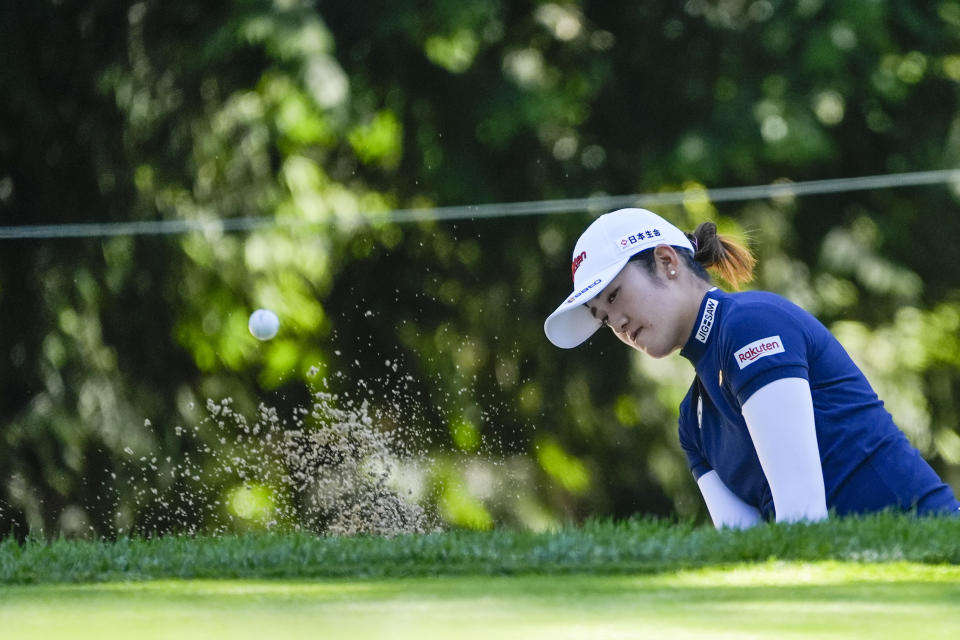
{"x":693,"y":241}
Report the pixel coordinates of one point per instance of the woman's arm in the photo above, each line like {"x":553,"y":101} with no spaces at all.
{"x":726,"y":509}
{"x":779,"y":417}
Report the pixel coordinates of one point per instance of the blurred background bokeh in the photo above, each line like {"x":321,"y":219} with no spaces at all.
{"x":322,"y":117}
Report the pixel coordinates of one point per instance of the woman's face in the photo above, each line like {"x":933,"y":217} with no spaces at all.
{"x":650,"y":314}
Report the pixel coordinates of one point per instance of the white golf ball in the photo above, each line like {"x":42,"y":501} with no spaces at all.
{"x":263,"y":324}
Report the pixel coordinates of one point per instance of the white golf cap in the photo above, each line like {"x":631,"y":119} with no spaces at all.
{"x":601,"y":252}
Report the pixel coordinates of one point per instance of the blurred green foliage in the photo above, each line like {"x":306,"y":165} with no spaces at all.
{"x":324,"y":115}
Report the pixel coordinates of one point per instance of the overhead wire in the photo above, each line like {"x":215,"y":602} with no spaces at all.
{"x":598,"y":203}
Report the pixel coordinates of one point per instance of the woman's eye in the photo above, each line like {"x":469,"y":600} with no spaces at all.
{"x":612,"y":296}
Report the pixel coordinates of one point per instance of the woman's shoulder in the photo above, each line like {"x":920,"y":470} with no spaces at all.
{"x":751,"y":312}
{"x":742,"y":299}
{"x":763,"y":304}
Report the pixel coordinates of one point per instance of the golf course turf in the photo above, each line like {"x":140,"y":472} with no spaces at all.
{"x":886,"y":576}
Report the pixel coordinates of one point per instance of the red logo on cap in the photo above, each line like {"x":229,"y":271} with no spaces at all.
{"x":577,"y":261}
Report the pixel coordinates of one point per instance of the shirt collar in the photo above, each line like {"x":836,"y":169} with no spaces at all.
{"x":704,"y":328}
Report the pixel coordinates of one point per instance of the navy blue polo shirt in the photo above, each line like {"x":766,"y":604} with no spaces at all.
{"x":743,"y":341}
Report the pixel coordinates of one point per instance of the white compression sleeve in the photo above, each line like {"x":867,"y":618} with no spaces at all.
{"x":725,"y":507}
{"x":780,"y":419}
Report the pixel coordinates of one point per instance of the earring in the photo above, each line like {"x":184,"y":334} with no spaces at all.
{"x":672,"y":272}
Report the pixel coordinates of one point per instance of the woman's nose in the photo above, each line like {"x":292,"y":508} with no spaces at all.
{"x":618,"y":323}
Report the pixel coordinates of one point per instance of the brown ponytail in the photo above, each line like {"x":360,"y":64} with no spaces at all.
{"x":726,"y":257}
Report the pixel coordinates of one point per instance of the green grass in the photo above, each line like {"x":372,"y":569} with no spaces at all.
{"x":635,"y":546}
{"x":885,"y":576}
{"x":829,"y":600}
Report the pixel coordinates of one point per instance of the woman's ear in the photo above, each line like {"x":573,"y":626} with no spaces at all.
{"x":668,"y":262}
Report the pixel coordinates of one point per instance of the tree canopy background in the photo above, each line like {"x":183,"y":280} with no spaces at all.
{"x":321,"y":117}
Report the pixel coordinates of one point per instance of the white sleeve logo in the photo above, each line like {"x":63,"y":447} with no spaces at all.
{"x":758,"y":349}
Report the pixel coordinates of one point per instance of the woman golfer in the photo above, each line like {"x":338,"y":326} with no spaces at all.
{"x":779,"y":421}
